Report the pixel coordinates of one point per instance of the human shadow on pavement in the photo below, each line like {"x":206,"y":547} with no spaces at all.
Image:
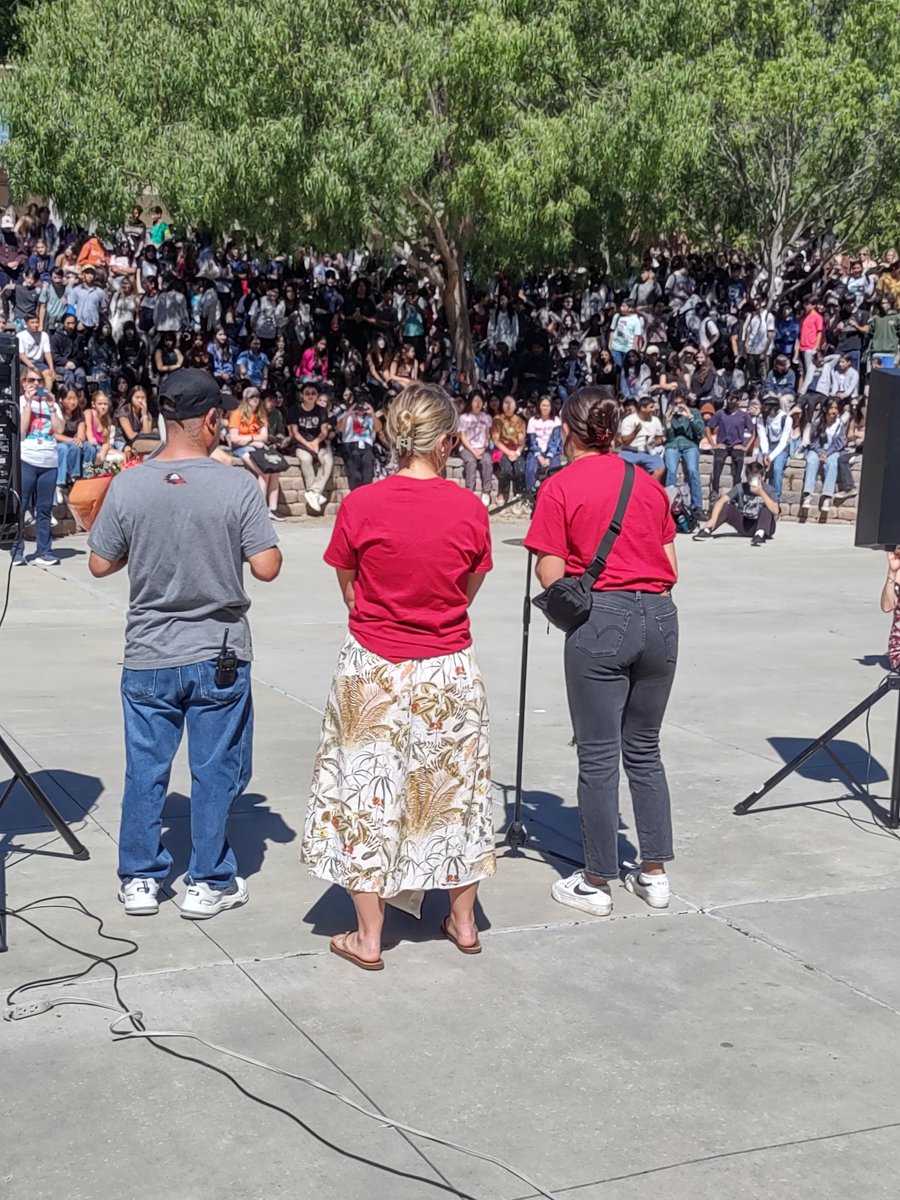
{"x":874,"y":660}
{"x":554,"y":828}
{"x":333,"y":912}
{"x":250,"y":831}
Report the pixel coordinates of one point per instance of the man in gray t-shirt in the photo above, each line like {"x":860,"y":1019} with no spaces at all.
{"x":184,"y":526}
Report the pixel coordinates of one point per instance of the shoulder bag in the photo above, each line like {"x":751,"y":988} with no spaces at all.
{"x":567,"y":603}
{"x":270,"y":462}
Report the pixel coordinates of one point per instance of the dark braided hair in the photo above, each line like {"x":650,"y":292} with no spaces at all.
{"x":592,"y":414}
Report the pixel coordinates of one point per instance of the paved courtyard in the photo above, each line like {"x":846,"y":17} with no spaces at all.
{"x":744,"y":1042}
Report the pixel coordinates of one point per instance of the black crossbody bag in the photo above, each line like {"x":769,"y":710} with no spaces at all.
{"x":567,"y":603}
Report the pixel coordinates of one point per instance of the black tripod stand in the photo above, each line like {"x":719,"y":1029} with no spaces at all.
{"x":891,"y":816}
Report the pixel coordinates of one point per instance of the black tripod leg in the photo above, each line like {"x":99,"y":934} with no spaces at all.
{"x":893,"y":819}
{"x":517,"y":834}
{"x":794,"y":765}
{"x":42,"y":801}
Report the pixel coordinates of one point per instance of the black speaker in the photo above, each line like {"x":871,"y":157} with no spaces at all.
{"x":878,"y":509}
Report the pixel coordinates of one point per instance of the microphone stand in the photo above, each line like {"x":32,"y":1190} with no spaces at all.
{"x":517,"y":832}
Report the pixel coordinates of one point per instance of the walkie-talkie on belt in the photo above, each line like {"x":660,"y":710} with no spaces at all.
{"x":226,"y":665}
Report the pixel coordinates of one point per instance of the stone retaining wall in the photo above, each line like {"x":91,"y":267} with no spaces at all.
{"x":293,"y":506}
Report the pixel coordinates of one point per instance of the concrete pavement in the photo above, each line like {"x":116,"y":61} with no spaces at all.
{"x":743,"y":1041}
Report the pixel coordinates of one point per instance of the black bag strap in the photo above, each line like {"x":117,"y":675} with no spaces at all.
{"x":615,"y":526}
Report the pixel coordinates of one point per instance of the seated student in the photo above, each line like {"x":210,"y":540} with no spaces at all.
{"x":641,"y":438}
{"x":781,"y":379}
{"x":248,"y":431}
{"x":508,"y":440}
{"x":750,"y":508}
{"x":543,"y":443}
{"x":133,"y":418}
{"x":101,"y":431}
{"x":309,"y":429}
{"x":72,"y":447}
{"x":273,"y":405}
{"x":827,"y":440}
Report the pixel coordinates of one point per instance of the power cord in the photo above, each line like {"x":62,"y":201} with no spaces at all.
{"x":22,"y":1010}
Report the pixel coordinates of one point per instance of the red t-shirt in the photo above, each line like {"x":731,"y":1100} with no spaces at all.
{"x":413,"y":544}
{"x":810,"y":328}
{"x":574,"y":510}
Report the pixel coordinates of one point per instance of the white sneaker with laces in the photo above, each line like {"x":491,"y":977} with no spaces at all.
{"x":45,"y":560}
{"x":317,"y":500}
{"x":653,"y":889}
{"x":140,"y":897}
{"x":202,"y":901}
{"x":576,"y":892}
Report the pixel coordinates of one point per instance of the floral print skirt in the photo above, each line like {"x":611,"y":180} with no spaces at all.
{"x":401,"y":790}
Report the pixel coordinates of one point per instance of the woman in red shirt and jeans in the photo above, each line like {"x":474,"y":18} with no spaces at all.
{"x":621,"y":663}
{"x":401,"y":786}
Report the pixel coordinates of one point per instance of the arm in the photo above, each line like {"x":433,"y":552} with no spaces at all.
{"x":549,"y":568}
{"x":473,"y":586}
{"x":266,"y":564}
{"x":889,"y":597}
{"x":101,"y":567}
{"x":669,"y":548}
{"x":347,"y":584}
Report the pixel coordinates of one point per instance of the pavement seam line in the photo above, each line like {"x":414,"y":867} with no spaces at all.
{"x":762,"y":940}
{"x":724,"y":1154}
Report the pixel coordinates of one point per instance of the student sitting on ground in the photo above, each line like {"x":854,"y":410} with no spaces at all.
{"x":750,"y":508}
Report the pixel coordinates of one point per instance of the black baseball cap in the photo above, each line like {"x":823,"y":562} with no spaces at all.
{"x":188,"y":393}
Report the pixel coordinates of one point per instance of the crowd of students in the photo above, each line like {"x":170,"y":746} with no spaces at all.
{"x":704,"y":353}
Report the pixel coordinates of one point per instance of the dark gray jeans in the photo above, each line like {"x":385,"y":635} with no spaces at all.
{"x":619,"y":670}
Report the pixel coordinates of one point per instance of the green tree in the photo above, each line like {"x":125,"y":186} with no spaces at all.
{"x":754,"y":122}
{"x":445,"y":126}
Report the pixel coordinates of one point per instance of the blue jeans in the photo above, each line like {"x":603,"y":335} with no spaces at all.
{"x":690,"y":456}
{"x":777,"y":467}
{"x":38,"y":488}
{"x":533,"y":467}
{"x":618,"y":357}
{"x":72,"y":459}
{"x":640,"y":458}
{"x":830,"y":467}
{"x":157,"y":706}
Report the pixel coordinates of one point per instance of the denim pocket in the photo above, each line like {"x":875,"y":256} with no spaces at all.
{"x":668,"y":627}
{"x":209,"y":689}
{"x":138,"y":685}
{"x":603,"y":633}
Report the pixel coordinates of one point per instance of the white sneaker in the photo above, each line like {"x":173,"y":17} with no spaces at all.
{"x":58,"y":497}
{"x":317,"y":500}
{"x":202,"y":901}
{"x":804,"y":501}
{"x":578,"y":893}
{"x":654,"y":889}
{"x":45,"y":560}
{"x":486,"y":499}
{"x":826,"y":504}
{"x":139,"y":897}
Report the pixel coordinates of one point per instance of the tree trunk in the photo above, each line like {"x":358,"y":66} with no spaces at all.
{"x":457,"y":307}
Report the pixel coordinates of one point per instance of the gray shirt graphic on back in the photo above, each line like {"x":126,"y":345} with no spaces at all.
{"x":186,"y":527}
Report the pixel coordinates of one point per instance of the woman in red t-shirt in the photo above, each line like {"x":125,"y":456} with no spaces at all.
{"x":621,"y":663}
{"x":401,"y":786}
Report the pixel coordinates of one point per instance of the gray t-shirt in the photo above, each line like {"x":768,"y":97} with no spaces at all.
{"x":186,"y":527}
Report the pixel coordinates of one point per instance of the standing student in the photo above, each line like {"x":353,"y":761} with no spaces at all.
{"x":401,"y":786}
{"x":620,"y":663}
{"x":40,"y":423}
{"x":184,"y":526}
